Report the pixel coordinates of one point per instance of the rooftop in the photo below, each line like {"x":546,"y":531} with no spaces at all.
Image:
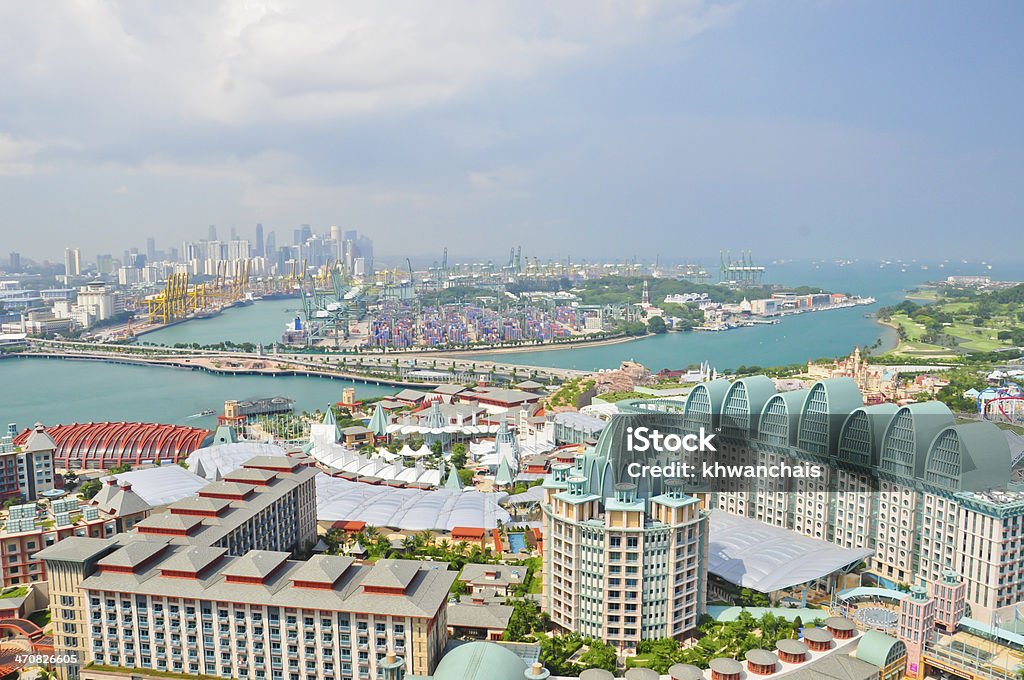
{"x":427,"y":590}
{"x":766,"y":558}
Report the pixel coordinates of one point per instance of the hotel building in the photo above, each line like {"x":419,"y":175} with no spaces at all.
{"x":621,"y":563}
{"x":268,"y":504}
{"x":26,"y":467}
{"x":153,"y":608}
{"x":924,"y":493}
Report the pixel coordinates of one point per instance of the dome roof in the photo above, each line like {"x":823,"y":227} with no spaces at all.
{"x":480,"y":661}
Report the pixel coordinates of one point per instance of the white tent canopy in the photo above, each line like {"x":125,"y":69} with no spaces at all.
{"x":162,"y":485}
{"x":755,"y":555}
{"x":227,"y":458}
{"x":406,"y":509}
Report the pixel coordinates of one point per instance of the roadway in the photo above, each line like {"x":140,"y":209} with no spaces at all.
{"x":372,"y":368}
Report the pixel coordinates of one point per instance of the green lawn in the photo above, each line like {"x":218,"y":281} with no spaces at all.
{"x":976,"y":338}
{"x":41,"y":618}
{"x":19,"y":591}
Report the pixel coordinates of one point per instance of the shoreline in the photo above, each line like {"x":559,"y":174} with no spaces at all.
{"x":927,"y":354}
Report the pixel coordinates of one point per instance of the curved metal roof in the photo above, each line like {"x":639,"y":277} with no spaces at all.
{"x":909,"y":435}
{"x":827,"y":405}
{"x":480,"y":661}
{"x":704,"y":403}
{"x":222,"y":459}
{"x":771,"y":425}
{"x":107,"y":445}
{"x":878,"y":649}
{"x":968,"y":457}
{"x":743,"y":403}
{"x":407,"y":509}
{"x":860,"y":437}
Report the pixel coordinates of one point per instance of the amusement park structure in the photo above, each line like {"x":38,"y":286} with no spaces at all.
{"x":742,"y":271}
{"x":180,"y":299}
{"x":1005,"y":402}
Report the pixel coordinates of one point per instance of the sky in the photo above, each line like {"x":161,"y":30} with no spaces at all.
{"x":589,"y":128}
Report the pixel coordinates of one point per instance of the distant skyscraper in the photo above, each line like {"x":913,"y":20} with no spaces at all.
{"x":72,"y":262}
{"x":212,"y":234}
{"x":104,"y":264}
{"x":151,"y":249}
{"x":260,"y":252}
{"x":271,"y":244}
{"x":15,"y":262}
{"x":238,"y":249}
{"x":303,"y":233}
{"x":234,"y":233}
{"x":365,"y":246}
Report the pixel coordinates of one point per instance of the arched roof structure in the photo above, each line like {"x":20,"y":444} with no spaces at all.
{"x":969,"y":457}
{"x":780,"y":417}
{"x":106,"y":445}
{"x":827,"y":405}
{"x":908,"y":437}
{"x":743,"y":404}
{"x":860,"y":438}
{"x":826,"y":421}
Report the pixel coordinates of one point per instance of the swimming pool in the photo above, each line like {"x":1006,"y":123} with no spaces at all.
{"x":517,"y":543}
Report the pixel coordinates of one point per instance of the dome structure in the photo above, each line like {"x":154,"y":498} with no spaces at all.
{"x":480,"y":661}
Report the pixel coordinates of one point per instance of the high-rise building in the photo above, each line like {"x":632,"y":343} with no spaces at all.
{"x":211,"y":234}
{"x":101,"y":301}
{"x":238,"y":249}
{"x":260,"y":243}
{"x":151,"y":249}
{"x":301,"y":234}
{"x":918,"y":492}
{"x":104,"y":264}
{"x":15,"y":261}
{"x":916,"y":625}
{"x":271,"y":249}
{"x":200,"y":611}
{"x":605,"y":569}
{"x":72,"y":262}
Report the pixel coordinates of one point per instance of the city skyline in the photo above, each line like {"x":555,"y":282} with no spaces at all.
{"x":807,"y":130}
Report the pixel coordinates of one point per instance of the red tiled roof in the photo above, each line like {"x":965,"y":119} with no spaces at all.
{"x":468,"y":532}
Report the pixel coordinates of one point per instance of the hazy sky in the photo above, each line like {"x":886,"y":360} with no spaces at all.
{"x":598,"y":129}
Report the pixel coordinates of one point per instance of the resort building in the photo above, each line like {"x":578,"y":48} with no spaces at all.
{"x":154,"y":607}
{"x":26,"y":463}
{"x":622,"y":563}
{"x":266,"y":505}
{"x":269,"y":503}
{"x":29,"y":529}
{"x":921,"y":492}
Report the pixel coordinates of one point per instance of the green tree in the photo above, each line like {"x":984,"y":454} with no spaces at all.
{"x":90,"y":488}
{"x":656,"y":324}
{"x":466,"y":477}
{"x":459,"y":456}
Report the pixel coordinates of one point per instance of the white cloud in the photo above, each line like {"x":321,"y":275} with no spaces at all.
{"x":16,"y":156}
{"x":248,"y":61}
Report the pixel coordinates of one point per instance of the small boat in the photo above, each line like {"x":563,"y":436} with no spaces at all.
{"x":207,"y":412}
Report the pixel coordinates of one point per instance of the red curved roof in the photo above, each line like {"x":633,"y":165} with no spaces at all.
{"x":108,"y":445}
